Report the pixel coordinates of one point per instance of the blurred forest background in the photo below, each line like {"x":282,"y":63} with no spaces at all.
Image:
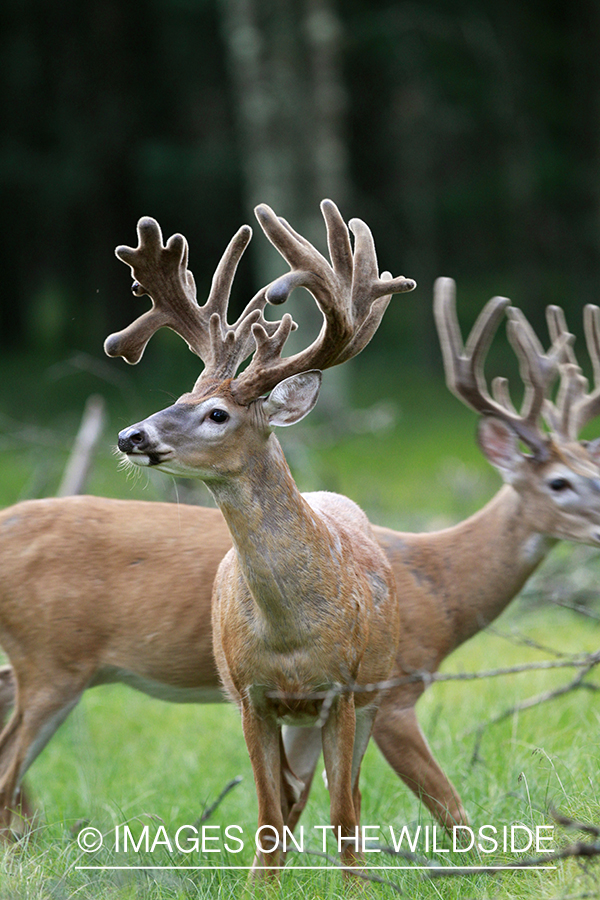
{"x":466,"y":133}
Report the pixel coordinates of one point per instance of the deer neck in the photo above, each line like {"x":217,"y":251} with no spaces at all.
{"x":283,"y":548}
{"x":502,"y":550}
{"x":474,"y":569}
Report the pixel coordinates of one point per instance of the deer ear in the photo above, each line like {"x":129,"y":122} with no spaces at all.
{"x":293,"y":398}
{"x":500,"y":446}
{"x":593,"y":448}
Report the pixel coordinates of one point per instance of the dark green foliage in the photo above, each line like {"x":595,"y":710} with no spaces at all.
{"x":109,"y":111}
{"x":471,"y":131}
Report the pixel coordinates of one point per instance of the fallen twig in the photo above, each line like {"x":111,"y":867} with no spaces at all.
{"x":578,"y":849}
{"x":360,"y":873}
{"x":568,"y":822}
{"x":210,"y":809}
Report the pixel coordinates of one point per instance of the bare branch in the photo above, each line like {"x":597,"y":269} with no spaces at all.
{"x":585,"y":663}
{"x":515,"y":637}
{"x":544,"y":697}
{"x":78,"y":464}
{"x":210,"y":809}
{"x":575,"y":607}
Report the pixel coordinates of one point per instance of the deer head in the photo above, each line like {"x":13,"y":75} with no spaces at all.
{"x":184,"y":438}
{"x":559,"y":476}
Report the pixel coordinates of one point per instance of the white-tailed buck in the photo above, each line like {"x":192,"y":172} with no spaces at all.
{"x":87,"y":595}
{"x":305,"y":600}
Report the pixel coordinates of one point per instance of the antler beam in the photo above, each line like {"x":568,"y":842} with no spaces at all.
{"x":464,"y":365}
{"x":161,"y":272}
{"x":349,"y":291}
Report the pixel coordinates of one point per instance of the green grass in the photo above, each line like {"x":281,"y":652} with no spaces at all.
{"x":121,"y":757}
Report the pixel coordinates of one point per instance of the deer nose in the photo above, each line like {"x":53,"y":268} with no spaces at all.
{"x":133,"y":438}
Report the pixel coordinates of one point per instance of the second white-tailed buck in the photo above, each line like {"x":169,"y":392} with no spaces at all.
{"x":87,"y":595}
{"x":305,"y":600}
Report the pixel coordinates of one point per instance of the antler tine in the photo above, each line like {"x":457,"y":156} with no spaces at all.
{"x":501,"y":394}
{"x":563,"y":416}
{"x":161,"y":272}
{"x":304,"y":259}
{"x":557,"y":326}
{"x":222,"y":280}
{"x":591,"y":324}
{"x":444,"y":310}
{"x":574,"y":406}
{"x":464,"y":366}
{"x":349,"y":292}
{"x":231,"y":345}
{"x":538,"y":369}
{"x":559,"y":415}
{"x":586,"y":406}
{"x":371,"y":294}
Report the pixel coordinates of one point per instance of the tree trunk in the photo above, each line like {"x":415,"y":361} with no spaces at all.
{"x":284,"y":59}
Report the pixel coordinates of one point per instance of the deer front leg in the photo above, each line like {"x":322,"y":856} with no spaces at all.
{"x":399,"y":737}
{"x":39,"y":710}
{"x":338,"y":751}
{"x":262,"y":737}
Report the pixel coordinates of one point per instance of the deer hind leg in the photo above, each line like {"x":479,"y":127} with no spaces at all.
{"x":38,"y":712}
{"x":302,"y":750}
{"x":399,"y":737}
{"x":8,"y":690}
{"x":291,"y":787}
{"x":365,"y":718}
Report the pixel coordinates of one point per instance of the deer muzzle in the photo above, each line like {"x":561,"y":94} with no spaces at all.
{"x":139,"y":446}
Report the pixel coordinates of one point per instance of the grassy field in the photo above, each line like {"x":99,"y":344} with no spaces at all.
{"x":123,"y":758}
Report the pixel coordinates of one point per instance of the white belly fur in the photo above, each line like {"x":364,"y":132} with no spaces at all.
{"x":157,"y":689}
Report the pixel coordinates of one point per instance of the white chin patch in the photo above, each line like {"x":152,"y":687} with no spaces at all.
{"x":138,"y":459}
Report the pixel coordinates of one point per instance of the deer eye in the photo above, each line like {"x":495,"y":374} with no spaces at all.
{"x":559,"y":484}
{"x":218,"y":415}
